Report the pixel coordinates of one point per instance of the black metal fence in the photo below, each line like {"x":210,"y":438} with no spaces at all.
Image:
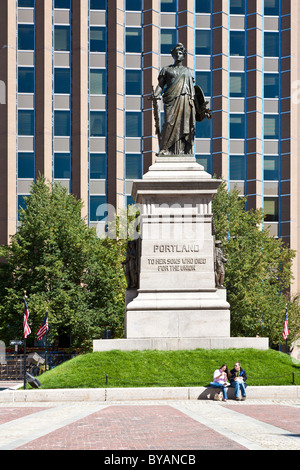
{"x":292,"y":378}
{"x":12,"y":367}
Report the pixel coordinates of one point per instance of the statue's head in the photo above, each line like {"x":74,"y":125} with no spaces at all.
{"x":179,"y":47}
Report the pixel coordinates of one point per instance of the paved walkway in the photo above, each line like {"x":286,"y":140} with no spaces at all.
{"x":167,"y":425}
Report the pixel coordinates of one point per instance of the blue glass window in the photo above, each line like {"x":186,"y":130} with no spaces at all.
{"x":97,"y":39}
{"x":237,"y":167}
{"x":203,"y":6}
{"x":271,"y":85}
{"x":26,"y":37}
{"x":203,"y":129}
{"x":203,"y":42}
{"x":271,"y":48}
{"x":205,"y":161}
{"x":62,"y":4}
{"x":237,"y":85}
{"x":133,"y":40}
{"x":26,"y":122}
{"x":133,"y":166}
{"x":98,"y":5}
{"x":129,"y":201}
{"x":21,"y":204}
{"x":133,"y":5}
{"x":97,"y":166}
{"x":62,"y":80}
{"x":237,"y":43}
{"x":97,"y":81}
{"x":271,"y":126}
{"x":98,"y":208}
{"x":237,"y":126}
{"x":26,"y":80}
{"x":98,"y":123}
{"x":133,"y":124}
{"x":26,"y":3}
{"x":62,"y":165}
{"x":168,"y":39}
{"x":62,"y":123}
{"x":203,"y":79}
{"x":25,"y":165}
{"x":271,"y":209}
{"x":271,"y":167}
{"x":237,"y":7}
{"x":62,"y":40}
{"x":168,"y":5}
{"x":272,"y":7}
{"x":133,"y":82}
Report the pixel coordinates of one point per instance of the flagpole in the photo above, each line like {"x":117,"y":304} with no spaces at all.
{"x":24,"y":349}
{"x":286,"y":342}
{"x":46,"y":347}
{"x":285,"y":331}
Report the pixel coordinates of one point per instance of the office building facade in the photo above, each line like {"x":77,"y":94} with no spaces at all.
{"x":78,"y":75}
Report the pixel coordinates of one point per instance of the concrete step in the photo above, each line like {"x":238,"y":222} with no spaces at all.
{"x":286,"y":392}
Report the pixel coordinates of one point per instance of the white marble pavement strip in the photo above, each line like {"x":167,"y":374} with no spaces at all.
{"x":246,"y":431}
{"x":24,"y":430}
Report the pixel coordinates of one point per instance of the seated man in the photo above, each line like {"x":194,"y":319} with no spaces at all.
{"x":237,"y":380}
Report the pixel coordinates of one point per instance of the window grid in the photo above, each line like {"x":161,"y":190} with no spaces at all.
{"x":24,"y":45}
{"x":97,"y":161}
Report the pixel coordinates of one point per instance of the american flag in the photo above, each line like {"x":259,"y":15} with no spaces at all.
{"x":27,"y":329}
{"x":285,"y":331}
{"x":43,"y":328}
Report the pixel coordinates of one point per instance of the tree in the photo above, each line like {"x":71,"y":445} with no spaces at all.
{"x":258,"y":272}
{"x":64,"y":268}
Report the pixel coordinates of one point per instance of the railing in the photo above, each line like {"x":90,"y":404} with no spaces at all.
{"x":12,"y":368}
{"x":292,"y":378}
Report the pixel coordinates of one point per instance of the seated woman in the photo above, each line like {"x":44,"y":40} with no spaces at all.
{"x":220,"y":380}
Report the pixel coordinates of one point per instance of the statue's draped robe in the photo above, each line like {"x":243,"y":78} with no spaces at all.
{"x":179,"y":120}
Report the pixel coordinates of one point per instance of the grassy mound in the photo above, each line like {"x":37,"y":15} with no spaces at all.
{"x":169,"y":368}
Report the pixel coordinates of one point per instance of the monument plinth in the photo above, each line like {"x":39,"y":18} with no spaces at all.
{"x":177,"y":304}
{"x":175,"y":297}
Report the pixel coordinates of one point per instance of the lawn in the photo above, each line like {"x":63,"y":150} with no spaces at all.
{"x":169,"y":368}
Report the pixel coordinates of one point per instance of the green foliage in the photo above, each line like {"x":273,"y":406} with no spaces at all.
{"x":78,"y":277}
{"x":169,"y":368}
{"x":64,"y":267}
{"x":258,"y":272}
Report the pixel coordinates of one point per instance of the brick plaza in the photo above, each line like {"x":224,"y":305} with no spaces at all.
{"x":167,"y":425}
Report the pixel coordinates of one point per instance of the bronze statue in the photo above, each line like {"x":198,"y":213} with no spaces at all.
{"x":220,"y":260}
{"x":184,"y":104}
{"x":131,"y":265}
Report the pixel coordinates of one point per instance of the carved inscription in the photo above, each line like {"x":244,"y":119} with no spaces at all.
{"x":176,"y":249}
{"x":168,"y":264}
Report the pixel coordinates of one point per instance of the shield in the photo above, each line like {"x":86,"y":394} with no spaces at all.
{"x":199,"y":96}
{"x":200,"y":104}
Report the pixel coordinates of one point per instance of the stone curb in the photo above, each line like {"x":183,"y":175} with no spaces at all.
{"x":287,"y":392}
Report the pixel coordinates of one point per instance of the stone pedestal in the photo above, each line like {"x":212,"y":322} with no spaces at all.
{"x":177,"y":304}
{"x":177,"y":297}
